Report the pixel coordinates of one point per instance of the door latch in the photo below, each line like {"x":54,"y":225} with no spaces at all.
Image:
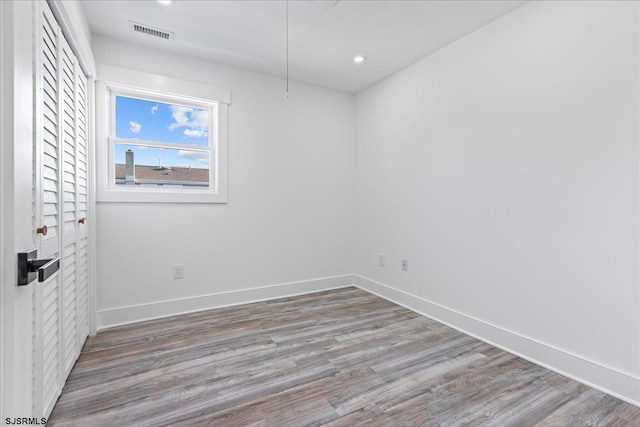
{"x":29,"y":267}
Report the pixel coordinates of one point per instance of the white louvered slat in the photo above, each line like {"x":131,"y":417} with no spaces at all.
{"x":69,"y":306}
{"x":49,"y":80}
{"x":50,"y":340}
{"x":68,"y":96}
{"x":69,"y":315}
{"x":50,"y":104}
{"x":83,"y":296}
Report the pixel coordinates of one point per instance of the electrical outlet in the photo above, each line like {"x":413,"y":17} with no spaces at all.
{"x":381,"y":260}
{"x":405,"y":265}
{"x":178,"y":271}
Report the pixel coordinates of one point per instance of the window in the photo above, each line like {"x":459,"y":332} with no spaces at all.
{"x":158,"y":143}
{"x":160,"y":146}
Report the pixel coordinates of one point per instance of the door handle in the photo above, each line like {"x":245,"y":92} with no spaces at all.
{"x":29,"y":267}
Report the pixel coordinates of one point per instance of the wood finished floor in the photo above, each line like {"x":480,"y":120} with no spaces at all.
{"x":337,"y":358}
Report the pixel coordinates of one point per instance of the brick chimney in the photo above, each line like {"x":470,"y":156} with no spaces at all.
{"x":129,"y":169}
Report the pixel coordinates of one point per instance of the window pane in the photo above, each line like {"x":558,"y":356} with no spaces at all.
{"x":152,"y":166}
{"x":157,"y":121}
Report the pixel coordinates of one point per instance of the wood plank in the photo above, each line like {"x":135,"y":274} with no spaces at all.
{"x":336,"y":358}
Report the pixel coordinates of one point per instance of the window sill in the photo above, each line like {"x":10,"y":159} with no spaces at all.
{"x":163,"y":196}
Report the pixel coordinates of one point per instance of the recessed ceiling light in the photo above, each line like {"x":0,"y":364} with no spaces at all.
{"x":165,"y":1}
{"x":358,"y":59}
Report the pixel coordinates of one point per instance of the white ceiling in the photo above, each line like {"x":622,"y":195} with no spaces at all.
{"x":324,"y":35}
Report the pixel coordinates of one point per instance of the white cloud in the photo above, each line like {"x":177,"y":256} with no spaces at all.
{"x":154,"y":109}
{"x":181,"y":115}
{"x":197,"y":156}
{"x":135,"y":127}
{"x":195,"y":133}
{"x":200,"y":118}
{"x":195,"y":120}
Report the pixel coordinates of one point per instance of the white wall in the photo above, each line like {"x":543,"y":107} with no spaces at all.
{"x":505,"y":168}
{"x":290,"y":199}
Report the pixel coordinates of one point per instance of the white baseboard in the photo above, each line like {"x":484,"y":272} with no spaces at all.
{"x":606,"y":379}
{"x":155,"y":310}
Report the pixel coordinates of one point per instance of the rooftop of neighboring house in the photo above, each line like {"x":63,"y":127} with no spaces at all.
{"x":171,"y":174}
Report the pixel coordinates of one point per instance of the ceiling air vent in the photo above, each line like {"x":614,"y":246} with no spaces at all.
{"x":150,"y":31}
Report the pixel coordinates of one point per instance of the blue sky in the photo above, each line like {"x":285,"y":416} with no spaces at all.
{"x":156,"y":121}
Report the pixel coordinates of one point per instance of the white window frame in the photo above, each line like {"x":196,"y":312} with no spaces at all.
{"x":115,"y":81}
{"x":113,"y":139}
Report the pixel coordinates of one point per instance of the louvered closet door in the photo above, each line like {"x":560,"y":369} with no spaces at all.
{"x":60,"y":202}
{"x":82,"y":208}
{"x":69,"y":343}
{"x":47,"y":358}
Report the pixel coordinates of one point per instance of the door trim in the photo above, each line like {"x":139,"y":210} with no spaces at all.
{"x":3,"y":183}
{"x":16,"y":220}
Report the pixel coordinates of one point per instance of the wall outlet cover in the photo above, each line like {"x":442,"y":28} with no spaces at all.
{"x":178,"y":271}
